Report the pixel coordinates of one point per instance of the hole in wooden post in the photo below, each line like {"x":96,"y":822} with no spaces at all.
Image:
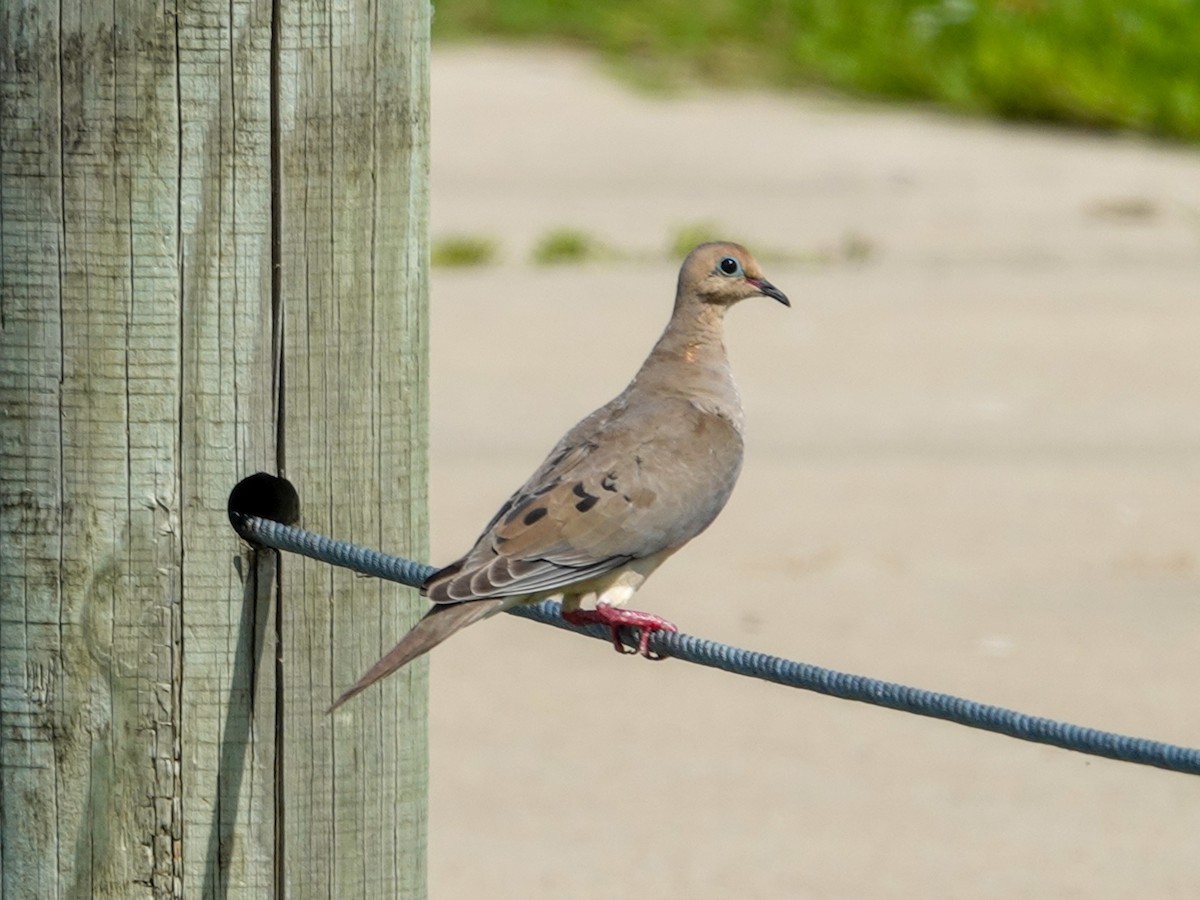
{"x":265,"y":496}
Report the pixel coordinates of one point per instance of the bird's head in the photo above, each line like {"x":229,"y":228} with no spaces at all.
{"x":722,"y":273}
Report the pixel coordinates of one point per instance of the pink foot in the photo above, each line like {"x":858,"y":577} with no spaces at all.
{"x":614,"y":618}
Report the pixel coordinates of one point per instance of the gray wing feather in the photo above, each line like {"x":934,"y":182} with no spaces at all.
{"x":624,"y":484}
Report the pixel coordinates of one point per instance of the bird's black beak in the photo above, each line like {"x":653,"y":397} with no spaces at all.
{"x":769,"y":290}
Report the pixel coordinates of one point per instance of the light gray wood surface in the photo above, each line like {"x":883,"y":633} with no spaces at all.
{"x":163,"y":690}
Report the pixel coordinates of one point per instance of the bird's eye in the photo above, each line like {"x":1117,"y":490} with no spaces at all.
{"x":729,"y":266}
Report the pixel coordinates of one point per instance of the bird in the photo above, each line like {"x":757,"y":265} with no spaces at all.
{"x":623,"y":490}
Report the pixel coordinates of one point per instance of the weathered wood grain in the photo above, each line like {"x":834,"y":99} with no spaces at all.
{"x":352,"y":80}
{"x":91,"y":616}
{"x":229,"y":693}
{"x":161,"y":688}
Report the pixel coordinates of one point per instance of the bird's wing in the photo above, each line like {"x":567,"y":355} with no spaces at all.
{"x":626,"y":483}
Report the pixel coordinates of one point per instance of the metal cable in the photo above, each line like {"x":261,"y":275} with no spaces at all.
{"x":757,"y":665}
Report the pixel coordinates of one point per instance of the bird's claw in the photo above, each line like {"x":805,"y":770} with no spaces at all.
{"x":614,"y":618}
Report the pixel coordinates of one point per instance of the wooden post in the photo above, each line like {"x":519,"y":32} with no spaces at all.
{"x":212,"y":262}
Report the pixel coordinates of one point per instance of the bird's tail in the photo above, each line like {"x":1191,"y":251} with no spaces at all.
{"x":437,"y":625}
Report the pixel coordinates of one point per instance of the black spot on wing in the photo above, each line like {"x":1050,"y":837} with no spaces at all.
{"x":587,"y":503}
{"x":587,"y":500}
{"x":534,"y":514}
{"x":517,"y":508}
{"x":517,"y":504}
{"x":609,"y":481}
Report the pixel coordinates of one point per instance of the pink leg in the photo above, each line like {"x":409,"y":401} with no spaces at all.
{"x":615,"y":617}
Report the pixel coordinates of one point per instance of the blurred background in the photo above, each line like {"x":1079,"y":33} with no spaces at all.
{"x":973,"y":452}
{"x":1124,"y":64}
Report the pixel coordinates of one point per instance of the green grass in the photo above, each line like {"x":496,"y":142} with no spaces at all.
{"x":572,"y":246}
{"x":566,"y":245}
{"x":1113,"y":64}
{"x":685,"y":237}
{"x":462,"y":250}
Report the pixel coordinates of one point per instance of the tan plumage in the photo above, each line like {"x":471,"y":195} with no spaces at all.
{"x":625,"y":488}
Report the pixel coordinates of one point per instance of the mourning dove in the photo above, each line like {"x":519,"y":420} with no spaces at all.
{"x":623,"y":490}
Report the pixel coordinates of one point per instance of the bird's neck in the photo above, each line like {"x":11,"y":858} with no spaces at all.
{"x":690,"y":360}
{"x":695,"y":336}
